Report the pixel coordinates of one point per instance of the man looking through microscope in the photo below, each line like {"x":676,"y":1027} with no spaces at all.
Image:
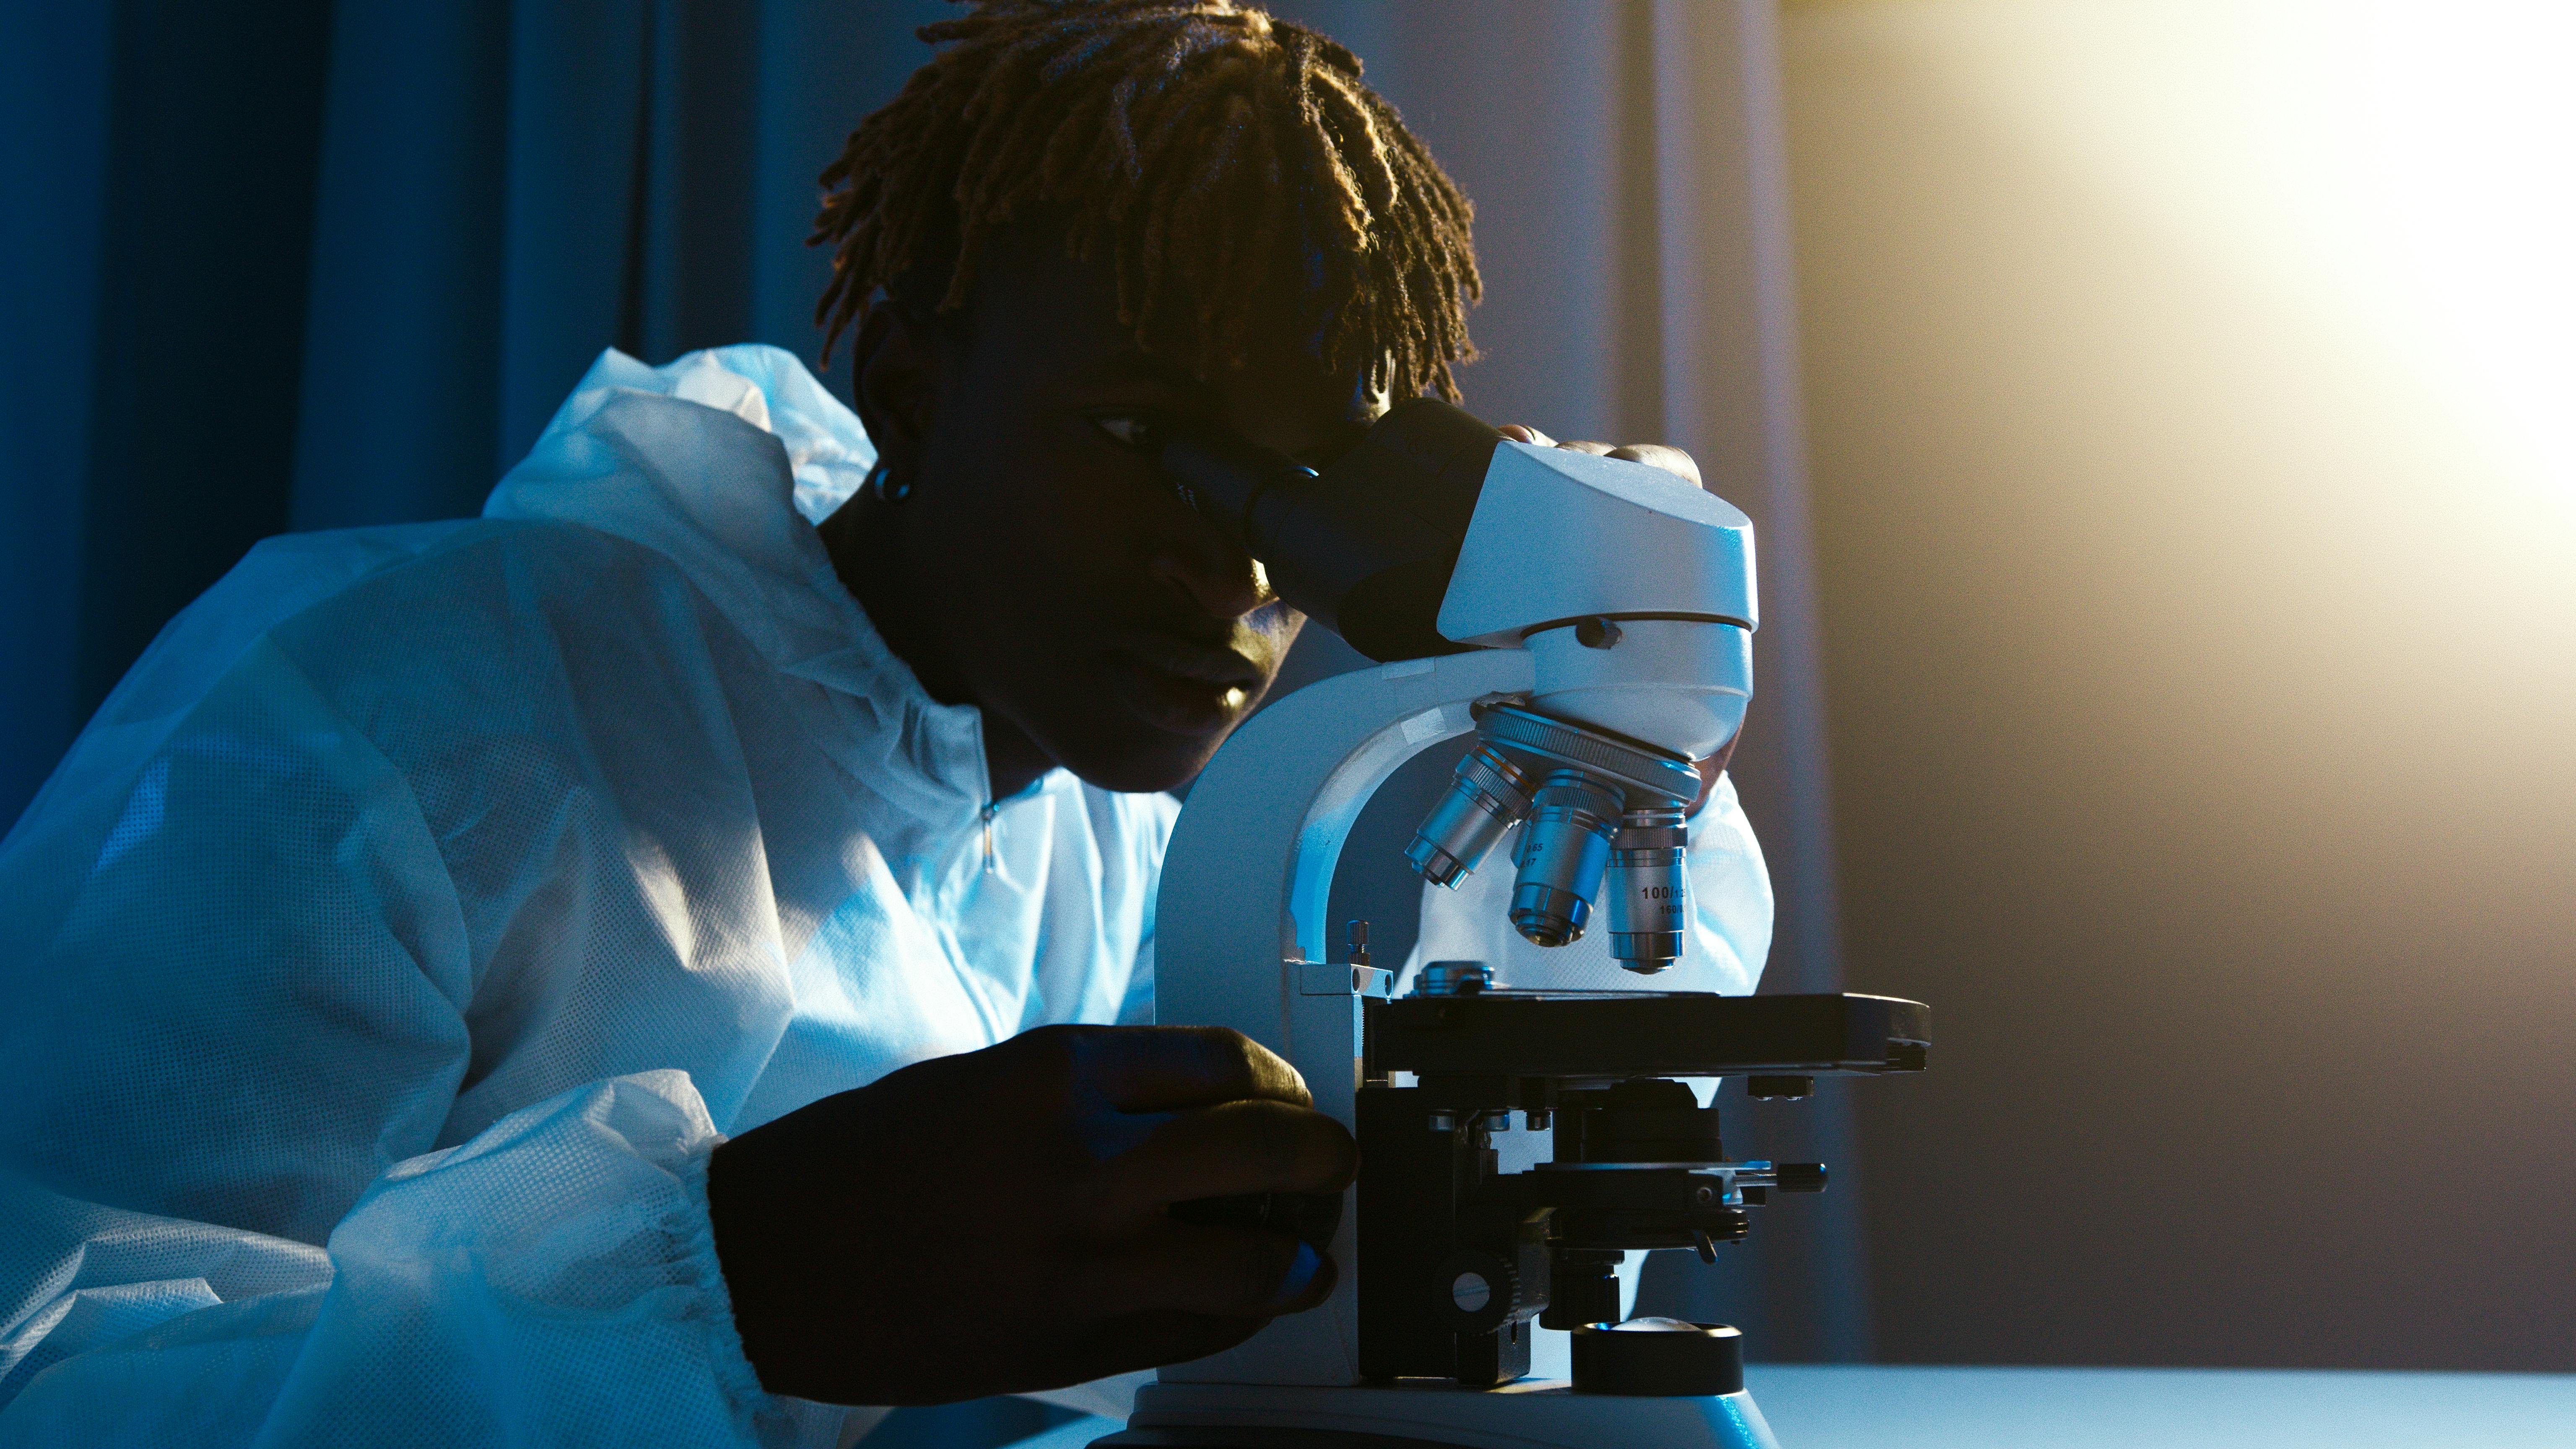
{"x":390,"y":961}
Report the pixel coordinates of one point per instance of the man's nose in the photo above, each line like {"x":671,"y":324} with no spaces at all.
{"x":1218,"y":581}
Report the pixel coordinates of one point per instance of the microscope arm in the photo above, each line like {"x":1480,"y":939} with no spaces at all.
{"x":1243,"y":946}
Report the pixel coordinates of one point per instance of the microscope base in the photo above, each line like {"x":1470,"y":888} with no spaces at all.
{"x":1540,"y":1414}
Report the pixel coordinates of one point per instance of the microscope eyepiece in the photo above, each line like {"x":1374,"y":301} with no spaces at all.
{"x":1227,"y":480}
{"x":1366,"y":546}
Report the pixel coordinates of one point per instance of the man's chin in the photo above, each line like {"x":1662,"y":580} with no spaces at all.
{"x":1143,"y":762}
{"x":1142,"y":777}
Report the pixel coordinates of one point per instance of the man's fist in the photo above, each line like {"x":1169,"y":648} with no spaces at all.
{"x":996,"y":1222}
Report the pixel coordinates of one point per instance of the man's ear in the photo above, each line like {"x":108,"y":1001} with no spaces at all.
{"x":893,"y":376}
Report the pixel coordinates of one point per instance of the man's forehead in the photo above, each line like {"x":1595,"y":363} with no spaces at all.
{"x":1358,"y":399}
{"x":1068,"y":308}
{"x":1129,"y":362}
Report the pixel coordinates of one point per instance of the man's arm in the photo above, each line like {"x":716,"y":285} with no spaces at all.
{"x":234,"y":1027}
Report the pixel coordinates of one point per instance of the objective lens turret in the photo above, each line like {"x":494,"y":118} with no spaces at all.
{"x":1574,"y":830}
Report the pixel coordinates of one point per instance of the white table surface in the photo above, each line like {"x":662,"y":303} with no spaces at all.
{"x":1893,"y":1407}
{"x":1886,"y":1407}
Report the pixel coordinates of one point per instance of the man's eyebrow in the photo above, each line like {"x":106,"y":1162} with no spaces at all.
{"x":1136,"y":364}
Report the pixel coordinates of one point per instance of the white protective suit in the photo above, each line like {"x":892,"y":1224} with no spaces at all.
{"x":380,"y":966}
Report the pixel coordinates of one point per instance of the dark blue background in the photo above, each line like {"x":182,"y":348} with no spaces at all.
{"x":292,"y":264}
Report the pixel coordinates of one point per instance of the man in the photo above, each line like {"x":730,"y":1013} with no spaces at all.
{"x":388,"y":963}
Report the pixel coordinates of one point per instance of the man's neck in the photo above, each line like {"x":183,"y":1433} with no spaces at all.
{"x":1012,"y":761}
{"x":864,"y":557}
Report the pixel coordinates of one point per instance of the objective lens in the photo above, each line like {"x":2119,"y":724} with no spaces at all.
{"x":1562,"y":855}
{"x":1487,"y":794}
{"x":1649,"y":889}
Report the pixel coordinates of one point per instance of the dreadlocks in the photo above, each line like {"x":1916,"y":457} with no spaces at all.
{"x":1204,"y":141}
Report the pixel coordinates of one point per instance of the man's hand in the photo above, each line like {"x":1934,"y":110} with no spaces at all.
{"x":995,"y":1222}
{"x":1671,"y":460}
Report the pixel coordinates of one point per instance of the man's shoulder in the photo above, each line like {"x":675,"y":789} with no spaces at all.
{"x":297,"y":575}
{"x":491,"y":589}
{"x":524,"y":658}
{"x":432,"y":632}
{"x":442,"y":627}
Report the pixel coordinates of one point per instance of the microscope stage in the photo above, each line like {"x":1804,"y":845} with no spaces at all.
{"x":1614,"y":1035}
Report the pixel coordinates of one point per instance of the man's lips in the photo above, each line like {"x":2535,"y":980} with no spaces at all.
{"x":1181,"y":687}
{"x":1206,"y":664}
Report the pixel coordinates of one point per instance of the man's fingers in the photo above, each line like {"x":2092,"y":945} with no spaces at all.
{"x":1214,"y":1272}
{"x":1653,"y":455}
{"x":1165,"y":1068}
{"x":1671,"y":460}
{"x":1140,"y":1341}
{"x":1524,"y":433}
{"x":1235,"y":1148}
{"x":1179,"y":1291}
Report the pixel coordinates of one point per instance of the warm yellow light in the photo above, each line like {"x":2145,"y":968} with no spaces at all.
{"x":2191,"y":387}
{"x":2405,"y":169}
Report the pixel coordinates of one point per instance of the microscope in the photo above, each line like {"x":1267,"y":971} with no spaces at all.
{"x":1589,"y":621}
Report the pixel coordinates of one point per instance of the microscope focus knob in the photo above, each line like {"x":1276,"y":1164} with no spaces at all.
{"x":1482,"y":1290}
{"x":1658,"y":1358}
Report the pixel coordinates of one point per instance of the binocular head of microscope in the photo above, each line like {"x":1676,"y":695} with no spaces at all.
{"x":1633,"y":591}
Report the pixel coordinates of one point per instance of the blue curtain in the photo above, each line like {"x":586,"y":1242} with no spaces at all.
{"x":297,"y":264}
{"x":294,"y":264}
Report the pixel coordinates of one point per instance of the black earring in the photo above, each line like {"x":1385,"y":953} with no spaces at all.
{"x":888,"y":488}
